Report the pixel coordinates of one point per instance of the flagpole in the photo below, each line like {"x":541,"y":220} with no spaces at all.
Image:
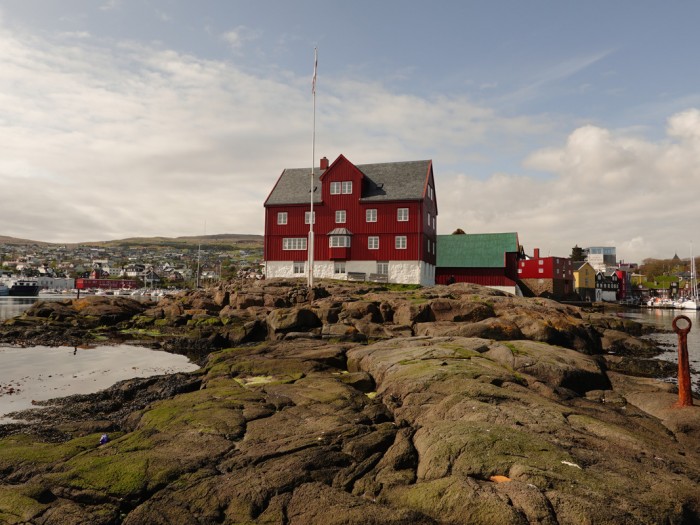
{"x":313,"y":161}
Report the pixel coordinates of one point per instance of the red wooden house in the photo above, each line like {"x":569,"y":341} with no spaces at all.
{"x":371,"y":222}
{"x":488,"y":259}
{"x":549,"y":276}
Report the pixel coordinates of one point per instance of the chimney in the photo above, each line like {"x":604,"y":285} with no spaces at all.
{"x":324,"y":163}
{"x":536,"y":254}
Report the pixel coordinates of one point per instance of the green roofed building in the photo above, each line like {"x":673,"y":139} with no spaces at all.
{"x":488,"y":259}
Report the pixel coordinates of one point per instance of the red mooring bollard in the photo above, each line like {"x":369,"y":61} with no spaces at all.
{"x":685,"y":395}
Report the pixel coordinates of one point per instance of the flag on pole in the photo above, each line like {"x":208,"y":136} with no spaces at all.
{"x":313,"y":80}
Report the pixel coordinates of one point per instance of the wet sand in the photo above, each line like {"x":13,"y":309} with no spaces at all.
{"x":41,"y":373}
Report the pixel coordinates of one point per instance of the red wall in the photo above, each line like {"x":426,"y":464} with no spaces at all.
{"x":386,"y":228}
{"x":417,"y":229}
{"x":482,"y":276}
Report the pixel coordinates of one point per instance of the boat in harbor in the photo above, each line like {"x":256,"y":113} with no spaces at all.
{"x":4,"y":289}
{"x":691,"y":303}
{"x":24,"y":288}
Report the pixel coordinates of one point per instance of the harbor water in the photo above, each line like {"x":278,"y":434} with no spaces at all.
{"x":41,"y":373}
{"x":667,"y":339}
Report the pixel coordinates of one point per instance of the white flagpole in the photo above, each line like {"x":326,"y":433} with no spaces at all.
{"x":310,"y":246}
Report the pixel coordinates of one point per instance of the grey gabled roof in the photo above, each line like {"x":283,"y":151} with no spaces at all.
{"x":340,"y":231}
{"x":388,"y":181}
{"x":294,"y":187}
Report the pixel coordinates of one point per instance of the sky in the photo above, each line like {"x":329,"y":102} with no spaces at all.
{"x":570,"y":123}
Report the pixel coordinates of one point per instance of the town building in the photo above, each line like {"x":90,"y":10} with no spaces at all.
{"x":601,"y":257}
{"x":370,"y":221}
{"x":549,"y":276}
{"x":584,"y":281}
{"x":488,"y":259}
{"x":607,"y":286}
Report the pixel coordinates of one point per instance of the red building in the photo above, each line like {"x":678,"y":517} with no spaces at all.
{"x":371,"y":221}
{"x":551,"y":276}
{"x":488,"y":259}
{"x":106,"y":284}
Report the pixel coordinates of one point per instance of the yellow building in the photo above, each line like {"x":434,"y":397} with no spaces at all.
{"x":584,"y":282}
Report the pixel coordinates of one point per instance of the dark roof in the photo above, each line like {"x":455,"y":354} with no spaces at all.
{"x":388,"y":181}
{"x":477,"y":250}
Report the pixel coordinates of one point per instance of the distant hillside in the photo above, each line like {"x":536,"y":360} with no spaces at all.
{"x":4,"y":239}
{"x":223,"y":239}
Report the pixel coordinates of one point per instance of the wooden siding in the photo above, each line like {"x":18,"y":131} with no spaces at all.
{"x":386,"y":228}
{"x":418,"y":229}
{"x":482,"y":276}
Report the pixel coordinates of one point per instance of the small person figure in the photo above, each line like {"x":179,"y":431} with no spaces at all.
{"x":104,"y":439}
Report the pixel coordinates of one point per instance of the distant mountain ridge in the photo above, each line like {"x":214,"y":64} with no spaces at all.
{"x":204,"y":239}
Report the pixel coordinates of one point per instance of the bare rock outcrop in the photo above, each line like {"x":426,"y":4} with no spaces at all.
{"x":358,"y":404}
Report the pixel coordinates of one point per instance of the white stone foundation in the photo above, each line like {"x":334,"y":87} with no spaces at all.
{"x":404,"y":272}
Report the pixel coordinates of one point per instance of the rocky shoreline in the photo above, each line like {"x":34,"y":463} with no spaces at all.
{"x":351,"y":404}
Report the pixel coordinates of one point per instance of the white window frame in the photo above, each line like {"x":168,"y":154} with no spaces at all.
{"x":373,"y":242}
{"x":339,"y":267}
{"x":340,"y":216}
{"x":335,"y":188}
{"x":339,"y":241}
{"x":402,"y":214}
{"x":383,"y":267}
{"x":371,"y":215}
{"x":282,"y":217}
{"x":346,"y":186}
{"x":307,"y":214}
{"x":299,"y":267}
{"x":400,"y":242}
{"x":294,"y":243}
{"x":430,"y":192}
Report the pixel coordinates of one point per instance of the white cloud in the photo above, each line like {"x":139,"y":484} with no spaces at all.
{"x":239,"y":36}
{"x":110,"y":5}
{"x":126,"y":140}
{"x":603,"y":185}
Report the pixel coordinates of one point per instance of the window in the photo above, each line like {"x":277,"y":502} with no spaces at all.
{"x":335,"y":188}
{"x":540,"y":262}
{"x":429,"y":220}
{"x":430,"y":192}
{"x":307,"y":214}
{"x":373,"y":243}
{"x":339,"y":216}
{"x":339,"y":241}
{"x":428,"y":245}
{"x":339,"y":267}
{"x":298,"y":266}
{"x":434,"y":222}
{"x":541,"y":270}
{"x":294,"y":243}
{"x":400,"y":242}
{"x":402,"y":214}
{"x":347,"y":187}
{"x":383,"y":267}
{"x":282,"y":217}
{"x":371,"y":215}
